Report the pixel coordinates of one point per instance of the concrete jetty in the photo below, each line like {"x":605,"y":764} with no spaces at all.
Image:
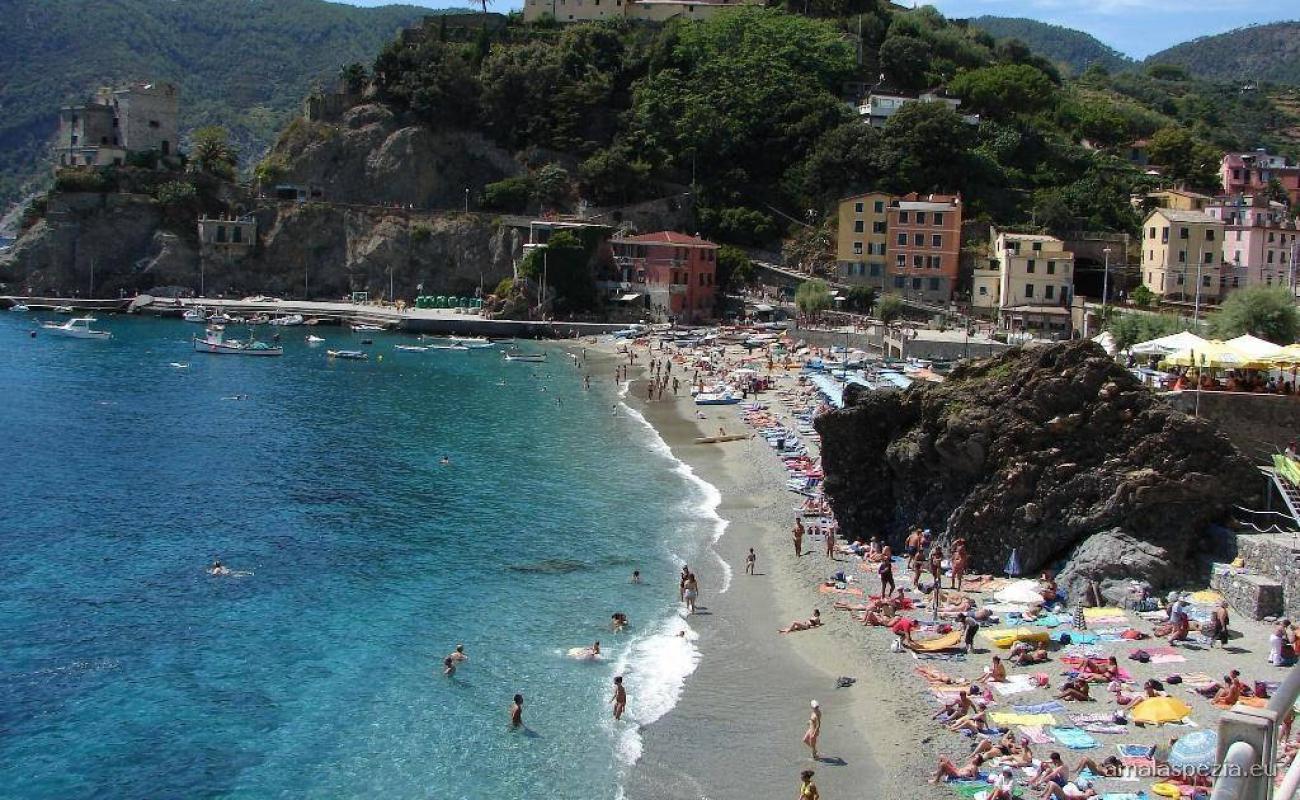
{"x":438,"y":321}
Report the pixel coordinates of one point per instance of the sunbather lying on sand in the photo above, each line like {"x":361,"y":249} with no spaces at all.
{"x":934,"y":676}
{"x":1097,"y":671}
{"x":1075,"y":689}
{"x":802,"y":625}
{"x":1110,"y":767}
{"x":976,"y":722}
{"x":1025,"y":653}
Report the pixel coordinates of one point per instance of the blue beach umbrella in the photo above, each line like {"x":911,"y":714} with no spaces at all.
{"x":1195,"y":751}
{"x":1013,"y":564}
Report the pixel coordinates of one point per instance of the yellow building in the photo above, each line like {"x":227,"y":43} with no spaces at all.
{"x":1027,"y":283}
{"x":648,"y":10}
{"x":1175,"y":199}
{"x":862,"y":238}
{"x":1180,"y":254}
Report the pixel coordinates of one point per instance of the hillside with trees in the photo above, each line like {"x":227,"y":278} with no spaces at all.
{"x":754,"y":112}
{"x":1260,"y":53}
{"x":242,"y":64}
{"x":1074,"y":49}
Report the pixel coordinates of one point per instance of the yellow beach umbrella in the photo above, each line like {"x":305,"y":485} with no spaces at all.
{"x":1214,"y":354}
{"x":1159,"y":710}
{"x":1287,"y":358}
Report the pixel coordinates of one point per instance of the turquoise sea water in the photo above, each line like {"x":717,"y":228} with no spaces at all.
{"x":126,"y":671}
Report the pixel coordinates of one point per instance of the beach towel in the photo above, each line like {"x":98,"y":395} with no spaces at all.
{"x":1136,"y":750}
{"x":1104,"y":727}
{"x":1076,"y":637}
{"x":853,"y":590}
{"x":1167,"y":658}
{"x":1102,"y":612}
{"x":1049,"y":707}
{"x":1014,"y":684}
{"x":1048,"y":621}
{"x":1036,"y":734}
{"x":1006,"y":719}
{"x":1074,"y":738}
{"x":1199,"y":680}
{"x":1089,"y":719}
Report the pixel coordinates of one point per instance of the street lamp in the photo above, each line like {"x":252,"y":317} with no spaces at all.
{"x":466,"y":199}
{"x":844,"y":362}
{"x":1105,"y":282}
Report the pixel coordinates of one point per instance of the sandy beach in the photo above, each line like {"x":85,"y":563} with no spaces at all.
{"x":737,"y":728}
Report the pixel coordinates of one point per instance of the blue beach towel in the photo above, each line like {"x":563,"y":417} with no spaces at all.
{"x":1049,"y":621}
{"x":1076,"y":637}
{"x":1074,"y":738}
{"x":1050,"y":707}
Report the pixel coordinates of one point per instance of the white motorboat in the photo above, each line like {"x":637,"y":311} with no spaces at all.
{"x":198,"y":315}
{"x":217,"y":343}
{"x":355,"y":355}
{"x":221,"y":319}
{"x":474,"y":342}
{"x":531,"y":358}
{"x":366,"y":326}
{"x":291,"y":319}
{"x":410,"y":348}
{"x":64,"y":310}
{"x":313,"y":339}
{"x":19,"y":307}
{"x":452,"y":346}
{"x":78,"y":328}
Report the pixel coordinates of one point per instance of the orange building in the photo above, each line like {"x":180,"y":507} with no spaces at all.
{"x":677,"y":270}
{"x":925,"y":243}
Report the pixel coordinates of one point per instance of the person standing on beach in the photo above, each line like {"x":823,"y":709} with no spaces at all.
{"x":517,"y":712}
{"x":807,"y":789}
{"x":814,"y":729}
{"x":690,"y":592}
{"x":620,"y":697}
{"x":830,"y":542}
{"x":798,"y":538}
{"x":886,"y":572}
{"x":751,"y":561}
{"x":681,"y":582}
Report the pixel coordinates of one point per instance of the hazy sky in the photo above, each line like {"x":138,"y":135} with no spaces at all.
{"x":1135,"y":27}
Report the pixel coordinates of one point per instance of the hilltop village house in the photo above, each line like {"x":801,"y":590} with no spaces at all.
{"x":647,"y":10}
{"x":676,"y":271}
{"x":1027,"y":283}
{"x":1248,"y":173}
{"x":1180,"y":254}
{"x":908,"y":245}
{"x":878,"y":108}
{"x":139,"y":118}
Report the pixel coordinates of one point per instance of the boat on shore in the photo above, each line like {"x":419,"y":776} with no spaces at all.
{"x":197,"y":315}
{"x":530,"y":358}
{"x":366,"y":326}
{"x":77,"y":328}
{"x":215,"y":342}
{"x":353,"y":355}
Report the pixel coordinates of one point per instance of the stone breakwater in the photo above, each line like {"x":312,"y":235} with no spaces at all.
{"x":1055,"y":452}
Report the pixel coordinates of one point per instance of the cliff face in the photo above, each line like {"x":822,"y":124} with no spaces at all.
{"x":371,"y":157}
{"x":1056,"y":452}
{"x":335,"y":249}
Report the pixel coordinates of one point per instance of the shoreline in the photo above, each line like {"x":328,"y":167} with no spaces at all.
{"x":736,"y":729}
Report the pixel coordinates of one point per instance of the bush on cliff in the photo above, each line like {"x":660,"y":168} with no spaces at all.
{"x":565,"y":266}
{"x":1268,"y":312}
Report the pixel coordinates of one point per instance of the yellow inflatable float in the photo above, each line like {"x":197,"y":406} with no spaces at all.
{"x":1005,"y":637}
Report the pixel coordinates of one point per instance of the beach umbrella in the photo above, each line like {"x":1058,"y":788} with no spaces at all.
{"x":1168,"y":344}
{"x":1159,"y":710}
{"x":1013,"y":564}
{"x":1020,"y":593}
{"x":1254,"y":346}
{"x":1286,"y":358}
{"x":1196,"y":751}
{"x":1213,"y":354}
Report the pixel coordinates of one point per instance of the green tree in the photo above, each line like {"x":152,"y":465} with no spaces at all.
{"x":862,"y":298}
{"x":354,"y":76}
{"x":213,"y":153}
{"x":1268,"y":312}
{"x":905,"y":62}
{"x":813,"y":297}
{"x":925,"y":147}
{"x":271,"y":170}
{"x":1143,"y":297}
{"x":846,"y":159}
{"x":510,"y":195}
{"x":739,"y":224}
{"x":551,"y":186}
{"x":889,"y":308}
{"x":1276,"y":192}
{"x":1129,"y":329}
{"x":1005,"y":90}
{"x":1187,"y":159}
{"x":613,"y":175}
{"x":1167,"y":72}
{"x":734,"y":267}
{"x":565,"y":264}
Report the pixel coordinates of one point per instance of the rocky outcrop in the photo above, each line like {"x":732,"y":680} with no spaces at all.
{"x":1056,"y":452}
{"x":372,"y":157}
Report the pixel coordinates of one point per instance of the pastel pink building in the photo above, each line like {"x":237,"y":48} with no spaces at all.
{"x":1247,"y":173}
{"x":676,"y":270}
{"x":1260,"y":244}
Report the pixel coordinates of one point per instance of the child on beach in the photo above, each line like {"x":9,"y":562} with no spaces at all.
{"x":750,"y":561}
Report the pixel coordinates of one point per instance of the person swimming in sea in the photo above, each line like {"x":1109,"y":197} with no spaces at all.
{"x":517,"y":712}
{"x":445,"y":461}
{"x":458,"y":655}
{"x":449,"y":667}
{"x":218,"y":568}
{"x":618,"y":622}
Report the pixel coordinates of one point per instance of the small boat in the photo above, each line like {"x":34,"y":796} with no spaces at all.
{"x":195,"y":315}
{"x":728,"y":437}
{"x":313,"y":339}
{"x":366,"y":326}
{"x":723,"y":399}
{"x":19,"y":307}
{"x":291,"y":319}
{"x":64,"y":310}
{"x":221,"y":319}
{"x":531,"y":358}
{"x":355,"y":355}
{"x":410,"y":348}
{"x":78,"y":328}
{"x":474,"y":342}
{"x":452,"y":346}
{"x":216,"y":343}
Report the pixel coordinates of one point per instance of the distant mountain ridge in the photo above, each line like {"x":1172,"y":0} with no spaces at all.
{"x":1073,"y":48}
{"x":1256,"y":53}
{"x":244,"y":64}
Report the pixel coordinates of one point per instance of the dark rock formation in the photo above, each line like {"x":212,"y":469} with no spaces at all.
{"x":1055,"y":451}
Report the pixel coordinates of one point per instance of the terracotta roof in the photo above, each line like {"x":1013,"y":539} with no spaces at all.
{"x":668,"y":237}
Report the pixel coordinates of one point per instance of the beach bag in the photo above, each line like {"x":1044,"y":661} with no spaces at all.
{"x":1261,"y":689}
{"x":1140,"y":656}
{"x":1065,"y":638}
